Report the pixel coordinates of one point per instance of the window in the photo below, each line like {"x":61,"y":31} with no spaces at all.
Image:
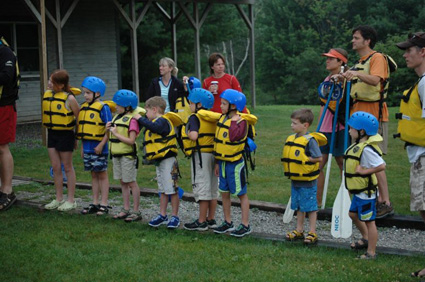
{"x":23,"y":38}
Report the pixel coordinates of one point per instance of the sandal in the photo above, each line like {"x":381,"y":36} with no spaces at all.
{"x":311,"y":238}
{"x":102,"y":210}
{"x":91,"y":209}
{"x":367,"y":256}
{"x":416,"y":274}
{"x":122,"y":214}
{"x":6,"y":200}
{"x":134,"y":216}
{"x":294,"y":235}
{"x":360,"y":245}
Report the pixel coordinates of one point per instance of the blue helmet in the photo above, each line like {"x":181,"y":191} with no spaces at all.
{"x":194,"y":83}
{"x":94,"y":84}
{"x":200,"y":95}
{"x":363,"y":120}
{"x":234,"y":97}
{"x":125,"y":98}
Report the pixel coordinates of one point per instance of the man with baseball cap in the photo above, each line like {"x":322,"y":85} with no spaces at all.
{"x":411,"y":126}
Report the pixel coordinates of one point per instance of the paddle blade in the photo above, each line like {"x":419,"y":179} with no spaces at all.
{"x":342,"y":226}
{"x":289,"y":213}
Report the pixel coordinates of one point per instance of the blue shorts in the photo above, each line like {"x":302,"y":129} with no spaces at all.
{"x":365,"y":209}
{"x":232,"y":177}
{"x":304,"y":199}
{"x":338,"y":150}
{"x":95,"y":163}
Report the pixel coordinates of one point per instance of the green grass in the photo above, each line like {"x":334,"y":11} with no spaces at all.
{"x":267,"y":182}
{"x":52,"y":246}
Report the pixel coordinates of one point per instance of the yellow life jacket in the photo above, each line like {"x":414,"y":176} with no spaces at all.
{"x":116,"y":147}
{"x":354,"y":182}
{"x":362,"y":91}
{"x":224,"y":149}
{"x":296,"y":164}
{"x":205,"y":142}
{"x":55,"y":114}
{"x":411,"y":126}
{"x":182,"y":108}
{"x":157,"y":146}
{"x":90,"y":125}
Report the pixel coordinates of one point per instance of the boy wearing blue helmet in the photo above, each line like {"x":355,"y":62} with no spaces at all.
{"x":124,"y":130}
{"x":91,"y":129}
{"x":230,"y":138}
{"x":362,"y":161}
{"x":160,"y":145}
{"x":198,"y":143}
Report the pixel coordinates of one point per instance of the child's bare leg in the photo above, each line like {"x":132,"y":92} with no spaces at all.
{"x":57,"y":172}
{"x":125,"y":195}
{"x":300,"y":221}
{"x":312,"y":218}
{"x":225,"y":196}
{"x":360,"y":225}
{"x":66,"y":158}
{"x":373,"y":237}
{"x":212,"y":207}
{"x":244,"y":209}
{"x":95,"y":187}
{"x":175,"y":203}
{"x":135,"y":190}
{"x":203,"y":210}
{"x":163,"y":202}
{"x":104,"y":186}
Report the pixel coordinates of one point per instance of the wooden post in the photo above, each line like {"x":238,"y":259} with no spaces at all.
{"x":43,"y":61}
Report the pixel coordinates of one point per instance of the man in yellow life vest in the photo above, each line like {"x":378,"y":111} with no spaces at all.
{"x":91,"y":129}
{"x":301,"y":158}
{"x":362,"y":161}
{"x":369,"y":78}
{"x":411,"y":126}
{"x":198,"y":142}
{"x":230,"y":140}
{"x":161,"y":147}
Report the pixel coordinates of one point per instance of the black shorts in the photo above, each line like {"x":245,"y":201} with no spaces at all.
{"x":61,"y":140}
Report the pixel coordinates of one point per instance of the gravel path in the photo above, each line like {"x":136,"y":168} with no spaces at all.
{"x":261,"y":221}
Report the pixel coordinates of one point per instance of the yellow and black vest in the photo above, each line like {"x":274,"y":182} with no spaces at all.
{"x":362,"y":91}
{"x":411,"y":126}
{"x":183,"y":108}
{"x":205,"y":142}
{"x":157,"y":146}
{"x":296,"y":164}
{"x":90,"y":125}
{"x":55,"y":114}
{"x":224,"y":149}
{"x":354,"y":182}
{"x":116,"y":147}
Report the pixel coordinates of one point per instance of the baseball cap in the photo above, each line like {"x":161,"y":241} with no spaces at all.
{"x":416,"y":39}
{"x":335,"y":54}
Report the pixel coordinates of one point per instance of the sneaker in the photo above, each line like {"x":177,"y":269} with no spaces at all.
{"x":212,"y":224}
{"x":384,"y":210}
{"x":53,"y":205}
{"x":67,"y":206}
{"x":196,"y":226}
{"x":241,"y":231}
{"x":6,"y":200}
{"x":224,"y":227}
{"x":159,"y":220}
{"x":174,"y":222}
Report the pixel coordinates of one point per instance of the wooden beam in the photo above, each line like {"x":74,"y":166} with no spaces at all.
{"x":252,"y":57}
{"x":69,"y":12}
{"x":247,"y":21}
{"x":33,"y":10}
{"x":43,"y":61}
{"x":142,"y":14}
{"x":123,"y":13}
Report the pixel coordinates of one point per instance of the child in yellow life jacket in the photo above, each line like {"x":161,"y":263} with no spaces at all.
{"x":60,"y":109}
{"x":230,"y":139}
{"x":301,"y":157}
{"x":124,"y":130}
{"x":198,"y":142}
{"x":161,"y":147}
{"x":94,"y":114}
{"x":362,"y":161}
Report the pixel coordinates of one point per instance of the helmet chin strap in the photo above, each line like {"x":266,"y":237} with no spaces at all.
{"x":360,"y":136}
{"x":94,"y":98}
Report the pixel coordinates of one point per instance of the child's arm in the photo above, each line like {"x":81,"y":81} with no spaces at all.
{"x":160,"y":126}
{"x":132,"y":134}
{"x":315,"y":160}
{"x":193,"y":128}
{"x":106,"y":117}
{"x":75,"y":108}
{"x":366,"y":171}
{"x":99,"y":148}
{"x":238,"y":128}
